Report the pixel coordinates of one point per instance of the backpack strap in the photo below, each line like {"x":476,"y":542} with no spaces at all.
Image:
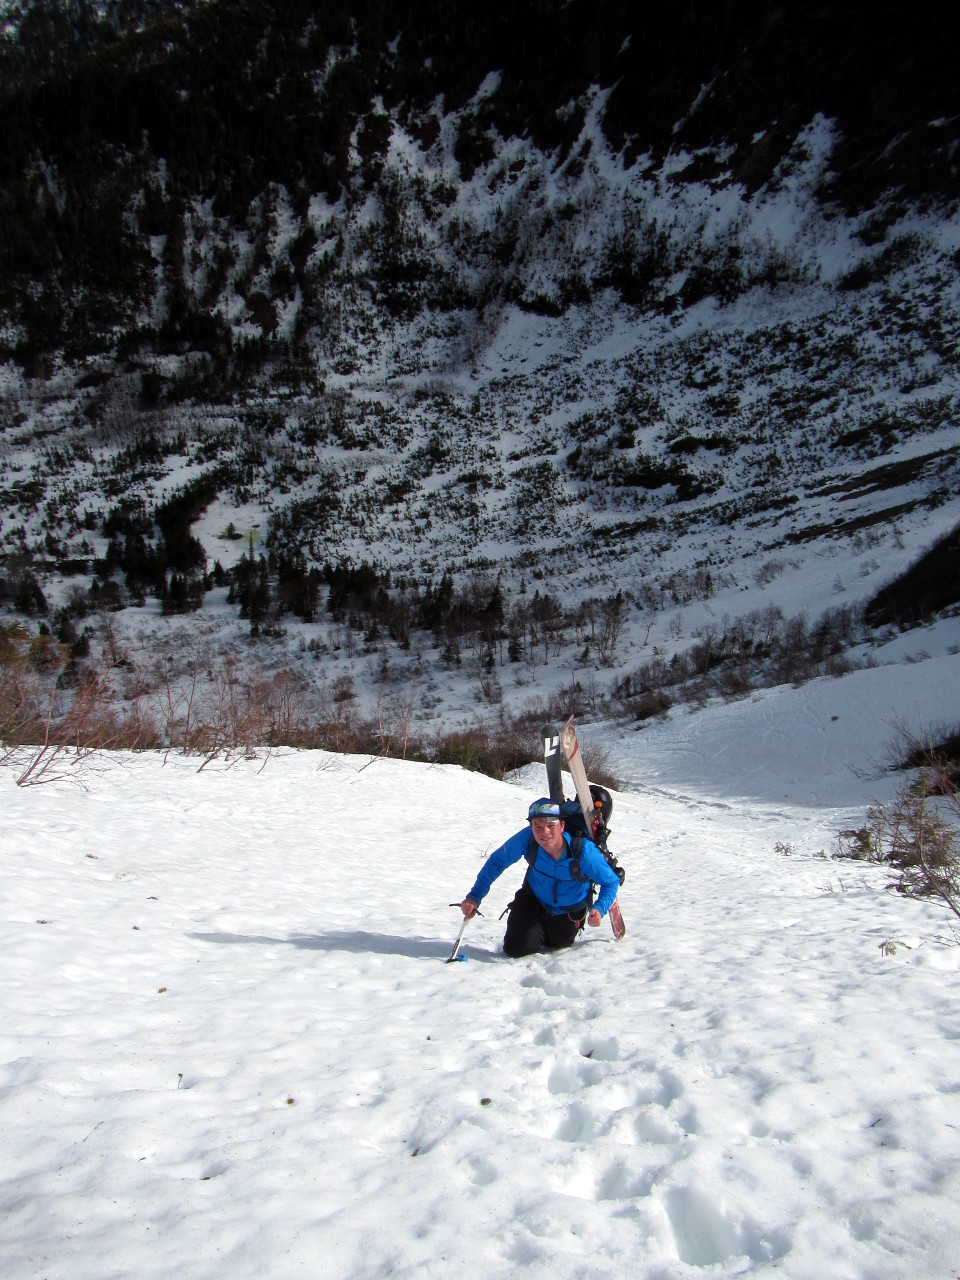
{"x":576,"y":848}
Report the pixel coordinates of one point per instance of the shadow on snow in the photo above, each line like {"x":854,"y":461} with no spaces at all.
{"x":354,"y":940}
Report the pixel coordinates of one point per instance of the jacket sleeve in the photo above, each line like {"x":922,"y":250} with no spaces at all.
{"x":509,"y":853}
{"x":595,"y":865}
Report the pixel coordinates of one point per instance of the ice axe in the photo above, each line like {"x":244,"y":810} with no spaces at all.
{"x":456,"y":946}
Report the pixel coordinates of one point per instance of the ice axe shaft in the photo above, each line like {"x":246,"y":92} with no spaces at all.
{"x":456,"y":946}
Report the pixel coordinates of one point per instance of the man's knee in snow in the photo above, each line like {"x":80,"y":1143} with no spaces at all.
{"x":517,"y":947}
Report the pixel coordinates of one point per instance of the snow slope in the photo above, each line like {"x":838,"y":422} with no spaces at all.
{"x":231,"y":1045}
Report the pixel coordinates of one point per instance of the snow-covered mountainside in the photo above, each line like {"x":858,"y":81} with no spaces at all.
{"x":547,"y":390}
{"x":393,"y":379}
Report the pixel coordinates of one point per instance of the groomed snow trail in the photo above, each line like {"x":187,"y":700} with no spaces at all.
{"x":231,"y":1046}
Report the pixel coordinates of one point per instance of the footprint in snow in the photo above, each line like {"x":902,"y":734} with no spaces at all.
{"x":620,"y":1182}
{"x":482,"y":1172}
{"x":551,"y":986}
{"x":711,"y":1229}
{"x":605,"y":1050}
{"x":572,"y":1077}
{"x":577,"y":1125}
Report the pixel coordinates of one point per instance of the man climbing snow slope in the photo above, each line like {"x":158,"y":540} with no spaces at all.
{"x":556,"y":896}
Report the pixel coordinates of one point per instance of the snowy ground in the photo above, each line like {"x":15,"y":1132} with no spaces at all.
{"x":231,"y":1046}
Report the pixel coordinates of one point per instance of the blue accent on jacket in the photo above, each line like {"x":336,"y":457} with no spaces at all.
{"x":550,"y":879}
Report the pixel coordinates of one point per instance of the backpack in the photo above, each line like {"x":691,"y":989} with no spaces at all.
{"x":575,"y":823}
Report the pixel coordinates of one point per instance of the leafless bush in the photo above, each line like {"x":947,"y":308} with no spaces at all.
{"x":71,"y":732}
{"x":599,"y":622}
{"x":918,"y":831}
{"x":860,"y":844}
{"x":29,"y":665}
{"x":400,"y":718}
{"x":211,"y":708}
{"x":215,"y":710}
{"x":737,"y":655}
{"x":496,"y":748}
{"x":768,"y":571}
{"x":939,"y":745}
{"x":647,"y":706}
{"x":596,"y":761}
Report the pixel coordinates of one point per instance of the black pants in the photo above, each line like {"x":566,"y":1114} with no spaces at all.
{"x":531,"y":927}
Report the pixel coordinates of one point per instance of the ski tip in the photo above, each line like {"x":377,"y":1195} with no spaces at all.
{"x":616,"y":920}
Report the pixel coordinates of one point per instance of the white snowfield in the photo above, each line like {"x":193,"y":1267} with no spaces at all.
{"x":231,"y":1045}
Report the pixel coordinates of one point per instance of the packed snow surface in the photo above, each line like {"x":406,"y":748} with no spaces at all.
{"x":231,"y":1045}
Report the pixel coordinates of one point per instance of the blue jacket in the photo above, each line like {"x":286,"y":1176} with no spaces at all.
{"x":551,"y":880}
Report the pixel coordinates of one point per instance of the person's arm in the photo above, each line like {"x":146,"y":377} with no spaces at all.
{"x":509,"y":853}
{"x":595,"y":865}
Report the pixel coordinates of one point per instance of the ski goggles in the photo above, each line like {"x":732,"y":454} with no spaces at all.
{"x":543,"y":808}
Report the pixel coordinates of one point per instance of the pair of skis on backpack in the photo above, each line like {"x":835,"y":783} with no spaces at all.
{"x":595,"y":802}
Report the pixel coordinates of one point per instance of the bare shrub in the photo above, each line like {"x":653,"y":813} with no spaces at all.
{"x":82,"y":727}
{"x":922,"y":845}
{"x":768,"y":571}
{"x":215,"y":710}
{"x":939,"y":747}
{"x":599,"y":622}
{"x":596,"y":761}
{"x":649,"y":705}
{"x":917,"y":832}
{"x":470,"y":749}
{"x":860,"y":844}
